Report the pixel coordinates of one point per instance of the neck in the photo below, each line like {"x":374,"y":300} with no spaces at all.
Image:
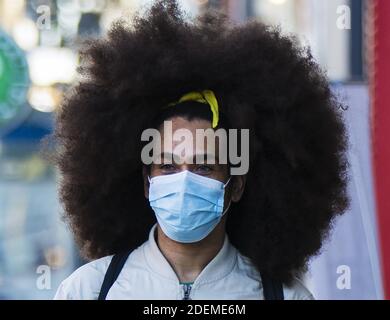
{"x":189,"y":259}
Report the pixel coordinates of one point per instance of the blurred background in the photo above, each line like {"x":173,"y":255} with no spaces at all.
{"x":39,"y":40}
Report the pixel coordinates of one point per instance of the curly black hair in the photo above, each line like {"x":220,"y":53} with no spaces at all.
{"x":264,"y":81}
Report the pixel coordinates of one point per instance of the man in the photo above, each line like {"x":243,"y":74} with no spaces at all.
{"x":170,"y":219}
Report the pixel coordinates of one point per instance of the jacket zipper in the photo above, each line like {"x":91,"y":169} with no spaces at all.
{"x":187,"y":290}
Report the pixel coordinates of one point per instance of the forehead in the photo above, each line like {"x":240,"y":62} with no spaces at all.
{"x":186,"y":138}
{"x":183,"y":123}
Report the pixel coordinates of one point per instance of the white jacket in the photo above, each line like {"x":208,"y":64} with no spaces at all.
{"x":148,"y":275}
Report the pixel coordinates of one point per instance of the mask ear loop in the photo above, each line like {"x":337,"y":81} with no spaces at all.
{"x":223,"y":213}
{"x":227,"y":182}
{"x":230,"y":202}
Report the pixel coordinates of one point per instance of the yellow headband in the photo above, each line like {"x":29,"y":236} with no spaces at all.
{"x":204,"y":96}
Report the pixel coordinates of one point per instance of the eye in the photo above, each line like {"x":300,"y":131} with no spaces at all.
{"x":203,"y":169}
{"x":167,"y":167}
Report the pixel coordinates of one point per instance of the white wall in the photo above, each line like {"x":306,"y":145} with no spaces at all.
{"x":353,"y":242}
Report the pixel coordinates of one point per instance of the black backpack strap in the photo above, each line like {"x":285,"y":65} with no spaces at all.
{"x":272,"y":290}
{"x":113,"y":271}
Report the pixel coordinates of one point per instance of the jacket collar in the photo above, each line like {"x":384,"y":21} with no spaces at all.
{"x":220,"y":266}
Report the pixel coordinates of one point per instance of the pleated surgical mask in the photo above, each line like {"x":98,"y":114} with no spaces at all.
{"x":187,"y":206}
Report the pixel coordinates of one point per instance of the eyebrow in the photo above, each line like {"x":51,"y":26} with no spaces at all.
{"x":168,"y":155}
{"x":206,"y":156}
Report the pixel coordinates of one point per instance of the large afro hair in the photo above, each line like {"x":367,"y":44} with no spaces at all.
{"x":264,"y":81}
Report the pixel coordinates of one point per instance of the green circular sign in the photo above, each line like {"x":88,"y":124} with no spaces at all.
{"x":14,"y":82}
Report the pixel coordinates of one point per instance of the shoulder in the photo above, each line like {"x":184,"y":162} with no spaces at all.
{"x":85,"y":282}
{"x":296,"y":290}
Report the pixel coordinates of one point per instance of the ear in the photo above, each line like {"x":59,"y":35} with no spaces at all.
{"x":145,"y":173}
{"x":238,"y":187}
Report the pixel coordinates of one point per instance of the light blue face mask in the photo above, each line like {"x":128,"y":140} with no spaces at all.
{"x":187,"y":206}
